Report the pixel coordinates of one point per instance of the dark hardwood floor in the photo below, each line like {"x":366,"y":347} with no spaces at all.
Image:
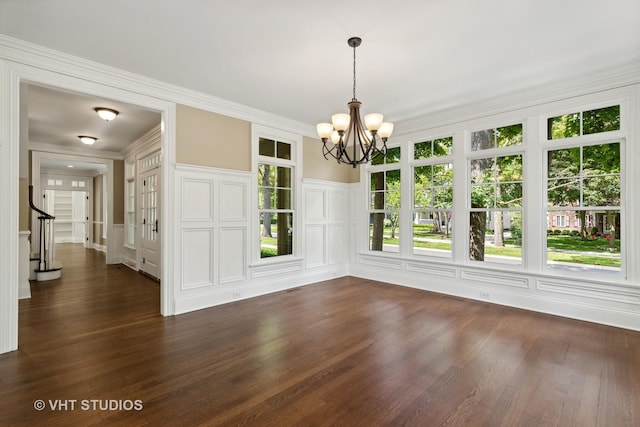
{"x":346,"y":352}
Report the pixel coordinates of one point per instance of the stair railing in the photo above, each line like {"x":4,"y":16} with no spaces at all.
{"x":46,"y":232}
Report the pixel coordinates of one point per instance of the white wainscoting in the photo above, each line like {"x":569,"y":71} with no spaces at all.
{"x":214,"y":239}
{"x":118,"y":244}
{"x":327,"y":230}
{"x":606,"y":303}
{"x":24,"y":287}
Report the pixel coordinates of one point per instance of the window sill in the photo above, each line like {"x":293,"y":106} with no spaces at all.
{"x":275,"y":267}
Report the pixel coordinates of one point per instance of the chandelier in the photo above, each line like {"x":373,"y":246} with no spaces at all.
{"x":345,"y":138}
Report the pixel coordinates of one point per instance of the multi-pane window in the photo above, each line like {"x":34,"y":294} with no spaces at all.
{"x":583,"y":182}
{"x":584,"y":123}
{"x":432,"y":197}
{"x":384,"y":202}
{"x":275,"y":198}
{"x":496,"y":183}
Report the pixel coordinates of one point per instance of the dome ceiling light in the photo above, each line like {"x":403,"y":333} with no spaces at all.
{"x":106,"y":114}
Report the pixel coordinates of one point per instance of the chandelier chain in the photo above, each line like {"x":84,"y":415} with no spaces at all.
{"x":354,"y":73}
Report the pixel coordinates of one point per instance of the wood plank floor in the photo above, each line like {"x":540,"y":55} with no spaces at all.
{"x":346,"y":352}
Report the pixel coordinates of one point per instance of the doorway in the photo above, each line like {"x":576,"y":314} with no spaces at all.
{"x":14,"y":166}
{"x":71,"y":209}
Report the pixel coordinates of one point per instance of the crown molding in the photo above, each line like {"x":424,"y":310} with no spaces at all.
{"x":22,"y":52}
{"x":76,"y":151}
{"x":603,"y":80}
{"x":145,"y":142}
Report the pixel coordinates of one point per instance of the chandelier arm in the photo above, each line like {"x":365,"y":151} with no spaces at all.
{"x":327,"y":150}
{"x":345,"y":143}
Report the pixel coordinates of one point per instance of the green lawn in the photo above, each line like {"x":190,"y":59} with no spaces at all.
{"x":586,"y":250}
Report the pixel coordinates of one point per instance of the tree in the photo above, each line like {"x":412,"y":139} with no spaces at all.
{"x":487,"y":190}
{"x":563,"y":186}
{"x":601,"y":171}
{"x":586,"y":176}
{"x":264,"y":172}
{"x":385,"y":190}
{"x":481,"y":195}
{"x":377,"y":186}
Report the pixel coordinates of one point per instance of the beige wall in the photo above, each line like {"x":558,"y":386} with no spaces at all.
{"x":209,"y":139}
{"x":315,"y":166}
{"x":24,"y":210}
{"x":118,"y":191}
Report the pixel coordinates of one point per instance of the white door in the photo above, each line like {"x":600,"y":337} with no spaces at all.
{"x":150,"y":222}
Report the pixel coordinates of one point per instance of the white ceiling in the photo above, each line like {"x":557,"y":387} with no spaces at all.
{"x":58,"y":117}
{"x":290,"y":58}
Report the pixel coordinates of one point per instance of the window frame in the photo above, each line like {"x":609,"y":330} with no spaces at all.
{"x":520,"y":149}
{"x":582,"y":141}
{"x":432,"y":160}
{"x":295,"y":163}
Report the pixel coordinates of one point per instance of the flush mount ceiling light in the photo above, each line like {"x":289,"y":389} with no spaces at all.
{"x":350,"y":141}
{"x":106,"y":114}
{"x":88,"y":140}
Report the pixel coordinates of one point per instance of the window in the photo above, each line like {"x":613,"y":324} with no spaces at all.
{"x":584,"y":123}
{"x":384,"y":202}
{"x":583,"y":182}
{"x":495,"y":214}
{"x":275,"y":198}
{"x":559,"y":221}
{"x":432,"y":197}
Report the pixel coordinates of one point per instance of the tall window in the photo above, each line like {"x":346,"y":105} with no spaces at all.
{"x":495,"y":215}
{"x":275,"y":198}
{"x":583,"y":181}
{"x":384,"y":202}
{"x":432,"y":197}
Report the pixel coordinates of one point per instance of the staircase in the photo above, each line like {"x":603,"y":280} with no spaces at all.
{"x":44,"y":266}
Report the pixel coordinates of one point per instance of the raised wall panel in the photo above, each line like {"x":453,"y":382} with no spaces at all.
{"x":338,"y":243}
{"x":338,"y":205}
{"x":495,"y":278}
{"x":432,"y":270}
{"x":626,"y":294}
{"x":315,"y":245}
{"x":197,"y":200}
{"x":197,"y":257}
{"x":232,"y":262}
{"x":314,"y":208}
{"x":233,"y":201}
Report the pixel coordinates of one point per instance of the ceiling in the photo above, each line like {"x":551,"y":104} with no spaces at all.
{"x":58,"y":117}
{"x":291,"y":58}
